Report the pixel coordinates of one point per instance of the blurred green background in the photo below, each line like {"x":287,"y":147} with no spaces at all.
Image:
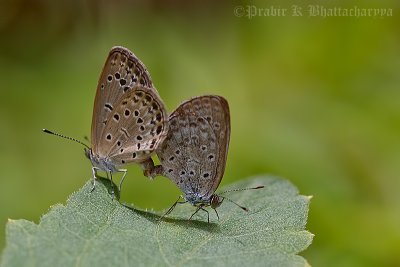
{"x":314,"y":100}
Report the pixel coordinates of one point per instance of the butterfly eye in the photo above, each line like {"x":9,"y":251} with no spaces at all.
{"x":215,"y":201}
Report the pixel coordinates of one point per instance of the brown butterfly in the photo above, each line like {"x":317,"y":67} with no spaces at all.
{"x":129,"y":118}
{"x":194,"y":153}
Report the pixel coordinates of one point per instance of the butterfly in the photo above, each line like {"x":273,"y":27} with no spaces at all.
{"x":194,"y":153}
{"x":129,"y":118}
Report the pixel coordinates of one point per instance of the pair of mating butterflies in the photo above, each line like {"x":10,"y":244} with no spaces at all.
{"x":130,"y":122}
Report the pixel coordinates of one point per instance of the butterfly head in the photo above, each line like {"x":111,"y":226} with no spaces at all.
{"x":216,"y":201}
{"x":96,"y":162}
{"x":101,"y":163}
{"x":92,"y":157}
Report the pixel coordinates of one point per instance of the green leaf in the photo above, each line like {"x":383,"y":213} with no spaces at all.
{"x":95,"y":230}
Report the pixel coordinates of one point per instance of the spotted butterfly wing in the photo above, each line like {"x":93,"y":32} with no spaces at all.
{"x":194,"y":153}
{"x":129,"y":118}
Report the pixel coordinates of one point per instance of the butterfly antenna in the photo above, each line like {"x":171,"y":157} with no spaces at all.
{"x":236,"y":190}
{"x":230,"y":200}
{"x":241,"y":189}
{"x":66,"y":137}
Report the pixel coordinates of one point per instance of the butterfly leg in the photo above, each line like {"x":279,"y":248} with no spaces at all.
{"x":197,"y":210}
{"x":109,"y":175}
{"x":208,"y":214}
{"x":173,"y":206}
{"x":122,"y":179}
{"x":94,"y":177}
{"x":216,"y":213}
